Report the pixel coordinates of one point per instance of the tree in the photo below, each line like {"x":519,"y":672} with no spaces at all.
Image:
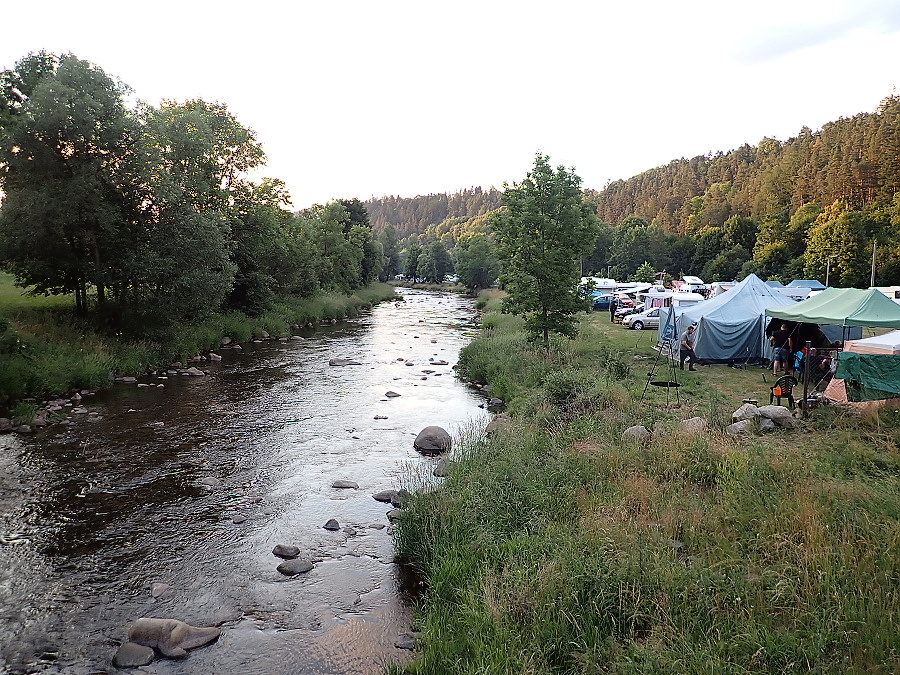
{"x":66,"y":143}
{"x":543,"y":231}
{"x":477,"y":265}
{"x":411,"y":266}
{"x":434,"y":263}
{"x":645,"y":273}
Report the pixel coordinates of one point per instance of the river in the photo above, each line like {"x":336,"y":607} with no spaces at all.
{"x":192,"y":484}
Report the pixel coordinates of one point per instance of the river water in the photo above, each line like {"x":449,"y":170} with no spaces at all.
{"x":191,"y":485}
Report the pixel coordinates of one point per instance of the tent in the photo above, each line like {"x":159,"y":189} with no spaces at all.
{"x":843,"y":307}
{"x":889,"y":343}
{"x":811,"y":284}
{"x":729,"y":327}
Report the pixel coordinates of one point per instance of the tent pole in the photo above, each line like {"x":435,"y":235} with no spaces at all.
{"x":808,"y":360}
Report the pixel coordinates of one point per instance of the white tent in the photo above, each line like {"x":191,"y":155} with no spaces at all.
{"x":889,"y":343}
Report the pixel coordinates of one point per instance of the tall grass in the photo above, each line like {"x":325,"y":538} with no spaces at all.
{"x":557,"y":547}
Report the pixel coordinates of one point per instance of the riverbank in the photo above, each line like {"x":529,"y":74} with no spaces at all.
{"x":46,"y":351}
{"x":557,"y":545}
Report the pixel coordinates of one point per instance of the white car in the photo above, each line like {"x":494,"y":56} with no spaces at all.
{"x":642,"y":320}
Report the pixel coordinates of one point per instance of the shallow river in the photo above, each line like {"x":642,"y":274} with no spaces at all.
{"x":94,"y":515}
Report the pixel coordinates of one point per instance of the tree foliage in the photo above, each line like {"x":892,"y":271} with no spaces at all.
{"x":543,"y":231}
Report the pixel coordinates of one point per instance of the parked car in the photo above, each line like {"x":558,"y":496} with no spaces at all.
{"x":622,"y":312}
{"x":642,"y":320}
{"x":601,"y":303}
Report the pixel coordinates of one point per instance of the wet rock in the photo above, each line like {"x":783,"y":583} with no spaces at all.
{"x":133,"y":655}
{"x":210,"y":482}
{"x":391,"y":394}
{"x":438,"y":362}
{"x":432,"y":440}
{"x":380,"y":417}
{"x":332,"y":525}
{"x":171,"y":637}
{"x":214,"y":357}
{"x":495,"y":402}
{"x":290,"y":568}
{"x":377,"y":526}
{"x":400,"y":499}
{"x":195,"y":372}
{"x":226,"y":341}
{"x":23,"y":429}
{"x":343,"y":362}
{"x":394,"y":515}
{"x":239,"y":518}
{"x":286,"y":551}
{"x":158,"y":589}
{"x":5,"y":425}
{"x":406,"y":641}
{"x":345,"y":485}
{"x":384,"y":496}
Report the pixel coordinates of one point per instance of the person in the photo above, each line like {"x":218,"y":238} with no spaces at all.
{"x":782,"y":344}
{"x":612,"y":309}
{"x":687,"y":348}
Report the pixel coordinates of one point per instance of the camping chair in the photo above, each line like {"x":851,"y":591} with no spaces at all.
{"x":783,"y":388}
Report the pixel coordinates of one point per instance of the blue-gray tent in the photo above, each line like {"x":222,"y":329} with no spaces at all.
{"x":730,"y":327}
{"x":774,"y":283}
{"x":811,"y":284}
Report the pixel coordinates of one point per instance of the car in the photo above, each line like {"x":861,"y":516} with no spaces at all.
{"x":601,"y":303}
{"x":642,"y":320}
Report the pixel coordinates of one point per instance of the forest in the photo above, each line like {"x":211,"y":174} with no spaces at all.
{"x":780,"y":209}
{"x":145,"y":215}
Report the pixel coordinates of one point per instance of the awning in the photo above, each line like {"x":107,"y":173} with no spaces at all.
{"x":843,"y":307}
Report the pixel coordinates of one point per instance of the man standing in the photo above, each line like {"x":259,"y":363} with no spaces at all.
{"x":687,"y":348}
{"x":612,"y":309}
{"x":783,"y":349}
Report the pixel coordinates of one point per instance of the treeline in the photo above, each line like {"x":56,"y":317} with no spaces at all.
{"x":778,"y":209}
{"x":414,"y":215}
{"x":813,"y":204}
{"x":146,"y":214}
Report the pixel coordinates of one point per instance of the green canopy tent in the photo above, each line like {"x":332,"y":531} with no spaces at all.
{"x":867,"y":377}
{"x":843,"y":307}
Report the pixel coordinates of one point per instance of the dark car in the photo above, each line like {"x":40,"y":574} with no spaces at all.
{"x":601,"y":303}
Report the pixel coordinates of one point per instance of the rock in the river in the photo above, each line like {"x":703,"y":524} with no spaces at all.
{"x":286,"y":551}
{"x":380,"y":417}
{"x":432,"y":440}
{"x":394,"y":515}
{"x":400,"y":499}
{"x":439,"y":362}
{"x":391,"y":394}
{"x":384,"y":496}
{"x":442,"y":470}
{"x":332,"y":525}
{"x":291,"y":567}
{"x":345,"y":485}
{"x":133,"y":655}
{"x":195,"y":372}
{"x":158,"y":589}
{"x":171,"y":637}
{"x":343,"y":362}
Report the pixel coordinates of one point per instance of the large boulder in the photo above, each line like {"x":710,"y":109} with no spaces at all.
{"x":779,"y":415}
{"x":742,"y":428}
{"x":692,"y":426}
{"x":636,"y":433}
{"x":432,"y":440}
{"x":748,"y":411}
{"x":170,"y":637}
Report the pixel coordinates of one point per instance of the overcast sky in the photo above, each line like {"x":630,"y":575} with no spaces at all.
{"x":363,"y":98}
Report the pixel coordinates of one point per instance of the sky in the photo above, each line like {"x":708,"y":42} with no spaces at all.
{"x":365,"y":99}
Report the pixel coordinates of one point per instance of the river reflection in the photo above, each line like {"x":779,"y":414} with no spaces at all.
{"x":192,"y":484}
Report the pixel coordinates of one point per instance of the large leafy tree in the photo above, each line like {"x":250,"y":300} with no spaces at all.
{"x":66,"y":146}
{"x":543,"y":231}
{"x":434,"y":263}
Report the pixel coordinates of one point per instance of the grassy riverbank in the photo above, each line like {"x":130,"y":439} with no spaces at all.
{"x":45,"y":350}
{"x":557,"y":547}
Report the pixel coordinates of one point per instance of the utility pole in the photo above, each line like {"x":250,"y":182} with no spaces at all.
{"x":872,"y":278}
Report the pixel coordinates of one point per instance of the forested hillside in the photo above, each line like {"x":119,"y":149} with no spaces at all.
{"x":780,"y":209}
{"x":414,"y":215}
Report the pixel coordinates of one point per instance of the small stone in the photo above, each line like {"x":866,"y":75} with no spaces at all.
{"x":394,"y":515}
{"x":332,"y":525}
{"x":380,"y":417}
{"x":291,"y":567}
{"x":131,"y":655}
{"x":239,"y":518}
{"x":384,"y":496}
{"x":158,"y":588}
{"x":286,"y":551}
{"x":406,"y":641}
{"x":392,"y":394}
{"x":345,"y":485}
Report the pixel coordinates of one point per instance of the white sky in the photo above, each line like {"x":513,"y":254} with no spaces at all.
{"x":400,"y":97}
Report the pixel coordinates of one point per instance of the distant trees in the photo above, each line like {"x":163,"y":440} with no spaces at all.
{"x":543,"y":231}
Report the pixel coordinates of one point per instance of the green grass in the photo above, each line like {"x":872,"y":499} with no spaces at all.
{"x":556,"y":547}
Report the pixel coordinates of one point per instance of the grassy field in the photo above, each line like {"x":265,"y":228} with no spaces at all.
{"x":555,"y":546}
{"x":45,"y":350}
